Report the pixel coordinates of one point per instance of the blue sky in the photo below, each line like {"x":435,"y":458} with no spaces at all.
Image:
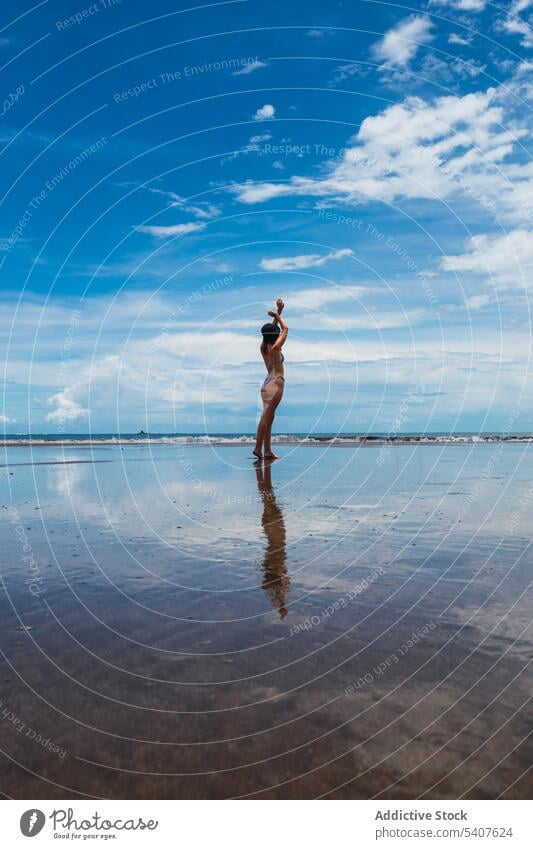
{"x":169,"y":170}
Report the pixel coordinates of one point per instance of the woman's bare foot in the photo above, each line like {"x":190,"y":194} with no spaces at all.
{"x":257,"y":453}
{"x":271,"y":456}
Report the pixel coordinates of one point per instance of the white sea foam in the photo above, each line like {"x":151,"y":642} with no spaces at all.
{"x":249,"y":439}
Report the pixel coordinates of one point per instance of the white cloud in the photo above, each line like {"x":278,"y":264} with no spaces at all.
{"x":476,"y":302}
{"x":317,"y":297}
{"x":432,"y":150}
{"x":345,"y":72}
{"x":514,"y":24}
{"x":507,"y":259}
{"x":264,"y":112}
{"x":463,"y":5}
{"x":467,"y":69}
{"x":174,"y":369}
{"x":294,"y":263}
{"x":400,"y":44}
{"x":101,"y":380}
{"x":67,"y":409}
{"x":207,"y":211}
{"x":162,"y":232}
{"x":202,"y":209}
{"x":7,"y":420}
{"x":249,"y":68}
{"x":375,"y":320}
{"x":258,"y":139}
{"x":525,"y":68}
{"x":456,"y":38}
{"x":433,"y":68}
{"x":253,"y":146}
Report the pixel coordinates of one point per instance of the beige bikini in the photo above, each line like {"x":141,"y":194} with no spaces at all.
{"x":274,"y":378}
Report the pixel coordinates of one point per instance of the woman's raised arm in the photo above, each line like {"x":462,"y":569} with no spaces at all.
{"x":284,"y":330}
{"x":279,"y":306}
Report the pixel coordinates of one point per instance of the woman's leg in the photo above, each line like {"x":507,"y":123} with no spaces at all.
{"x":264,"y":422}
{"x":271,"y":395}
{"x":268,"y":434}
{"x":260,"y":437}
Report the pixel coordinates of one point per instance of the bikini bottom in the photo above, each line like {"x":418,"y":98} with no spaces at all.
{"x":270,"y":389}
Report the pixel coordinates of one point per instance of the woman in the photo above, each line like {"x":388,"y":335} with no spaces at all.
{"x":272,"y":388}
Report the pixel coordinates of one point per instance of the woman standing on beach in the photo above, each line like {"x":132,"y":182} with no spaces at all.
{"x":272,"y":388}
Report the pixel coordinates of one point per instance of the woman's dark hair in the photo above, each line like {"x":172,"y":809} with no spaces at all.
{"x":270,"y":334}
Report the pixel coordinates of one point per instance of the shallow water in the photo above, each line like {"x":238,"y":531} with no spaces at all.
{"x":350,"y":622}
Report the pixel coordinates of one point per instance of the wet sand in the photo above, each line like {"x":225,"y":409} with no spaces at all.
{"x":177,"y":623}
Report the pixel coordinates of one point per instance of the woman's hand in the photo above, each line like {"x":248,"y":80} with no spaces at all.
{"x":280,"y":305}
{"x":273,"y":314}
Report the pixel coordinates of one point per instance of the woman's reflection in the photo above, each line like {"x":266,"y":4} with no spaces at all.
{"x":276,"y":583}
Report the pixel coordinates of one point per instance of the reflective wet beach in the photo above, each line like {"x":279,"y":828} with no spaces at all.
{"x":349,"y":622}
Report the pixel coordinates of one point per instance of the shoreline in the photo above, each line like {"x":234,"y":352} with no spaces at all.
{"x":312,"y":442}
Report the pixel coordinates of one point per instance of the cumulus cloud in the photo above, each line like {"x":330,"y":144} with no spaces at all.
{"x":66,"y":408}
{"x":7,"y":420}
{"x":515,"y":24}
{"x":400,"y":44}
{"x":96,"y":377}
{"x":424,"y":149}
{"x":177,"y":371}
{"x":507,"y":259}
{"x":163,"y":232}
{"x":295,"y":263}
{"x":264,"y":112}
